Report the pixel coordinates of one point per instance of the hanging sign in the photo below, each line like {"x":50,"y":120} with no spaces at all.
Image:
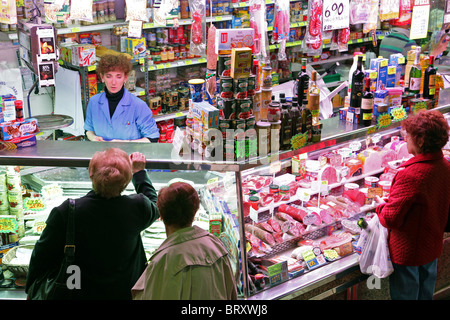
{"x":446,"y":23}
{"x":419,"y":21}
{"x":335,"y":15}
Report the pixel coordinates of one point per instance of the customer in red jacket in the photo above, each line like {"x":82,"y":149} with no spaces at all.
{"x":418,"y":206}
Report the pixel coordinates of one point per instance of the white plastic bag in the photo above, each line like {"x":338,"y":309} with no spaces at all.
{"x":374,"y":251}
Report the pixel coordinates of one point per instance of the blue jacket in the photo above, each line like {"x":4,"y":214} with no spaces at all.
{"x":132,"y":119}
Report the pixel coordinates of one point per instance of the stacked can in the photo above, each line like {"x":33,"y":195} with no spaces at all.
{"x":235,"y":97}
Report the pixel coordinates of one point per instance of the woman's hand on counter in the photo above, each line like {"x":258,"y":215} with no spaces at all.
{"x":93,"y":137}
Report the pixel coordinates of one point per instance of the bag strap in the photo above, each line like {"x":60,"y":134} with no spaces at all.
{"x":69,"y":249}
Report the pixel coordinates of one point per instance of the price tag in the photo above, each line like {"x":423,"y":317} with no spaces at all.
{"x":91,"y":68}
{"x":253,"y":214}
{"x":398,"y":114}
{"x":135,"y":29}
{"x":303,"y":195}
{"x":324,"y":188}
{"x":336,"y":14}
{"x":76,"y":29}
{"x":277,"y":272}
{"x":419,"y":21}
{"x":8,"y":224}
{"x":39,"y":226}
{"x":355,"y":146}
{"x":384,"y":120}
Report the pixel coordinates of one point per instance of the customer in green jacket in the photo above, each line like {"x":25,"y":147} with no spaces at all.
{"x":191,"y":264}
{"x":108,"y":244}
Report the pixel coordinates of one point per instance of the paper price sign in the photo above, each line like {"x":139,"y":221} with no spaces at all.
{"x":335,"y":15}
{"x":398,"y":114}
{"x":419,"y":21}
{"x":384,"y":120}
{"x":278,"y":272}
{"x":8,"y":224}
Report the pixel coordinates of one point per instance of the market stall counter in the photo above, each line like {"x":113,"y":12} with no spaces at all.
{"x":225,"y":211}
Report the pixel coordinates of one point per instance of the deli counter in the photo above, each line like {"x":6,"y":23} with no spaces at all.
{"x":226,"y":188}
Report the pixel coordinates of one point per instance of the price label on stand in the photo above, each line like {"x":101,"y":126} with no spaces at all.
{"x":419,"y":21}
{"x":135,"y":29}
{"x":336,"y":14}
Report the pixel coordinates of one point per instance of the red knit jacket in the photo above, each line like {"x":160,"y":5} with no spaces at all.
{"x":417,"y":209}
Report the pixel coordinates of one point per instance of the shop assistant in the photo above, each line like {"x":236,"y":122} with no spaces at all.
{"x":115,"y":114}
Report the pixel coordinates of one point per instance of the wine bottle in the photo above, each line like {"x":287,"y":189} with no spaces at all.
{"x":314,"y":98}
{"x":306,"y":119}
{"x":429,"y":85}
{"x":367,"y":105}
{"x":286,"y":126}
{"x":296,"y":117}
{"x":415,"y":75}
{"x":352,"y":69}
{"x":302,"y":82}
{"x":357,"y":86}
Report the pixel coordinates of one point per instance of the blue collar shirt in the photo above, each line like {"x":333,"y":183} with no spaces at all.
{"x":131,"y":120}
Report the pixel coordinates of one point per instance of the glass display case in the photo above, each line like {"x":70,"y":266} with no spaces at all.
{"x":241,"y":198}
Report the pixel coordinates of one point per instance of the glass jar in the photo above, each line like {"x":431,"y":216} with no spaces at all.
{"x":274,"y":112}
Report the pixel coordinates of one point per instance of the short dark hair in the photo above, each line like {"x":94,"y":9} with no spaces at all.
{"x":177,"y":204}
{"x":430,"y":127}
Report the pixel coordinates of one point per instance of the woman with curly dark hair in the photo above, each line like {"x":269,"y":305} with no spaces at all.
{"x":116,"y":114}
{"x":418,"y":207}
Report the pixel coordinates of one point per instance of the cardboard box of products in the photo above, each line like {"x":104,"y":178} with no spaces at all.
{"x":227,"y":39}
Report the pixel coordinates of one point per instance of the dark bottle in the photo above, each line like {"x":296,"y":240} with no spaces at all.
{"x":357,"y":86}
{"x":429,"y":85}
{"x":306,"y":119}
{"x":286,"y":126}
{"x":301,"y":83}
{"x":366,"y":105}
{"x":296,"y":117}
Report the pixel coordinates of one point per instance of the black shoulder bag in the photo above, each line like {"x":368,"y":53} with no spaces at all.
{"x":53,"y":286}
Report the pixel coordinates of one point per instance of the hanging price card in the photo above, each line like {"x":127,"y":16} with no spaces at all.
{"x":335,"y":14}
{"x":419,"y":21}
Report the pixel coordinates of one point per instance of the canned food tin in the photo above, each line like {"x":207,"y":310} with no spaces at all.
{"x":250,"y":123}
{"x":197,"y":88}
{"x":240,"y":88}
{"x":243,"y":108}
{"x":224,"y":126}
{"x":251,"y":88}
{"x":226,"y":88}
{"x":180,"y":121}
{"x":229,"y":108}
{"x":224,"y":65}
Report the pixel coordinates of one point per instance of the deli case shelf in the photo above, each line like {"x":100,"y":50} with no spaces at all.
{"x":220,"y":186}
